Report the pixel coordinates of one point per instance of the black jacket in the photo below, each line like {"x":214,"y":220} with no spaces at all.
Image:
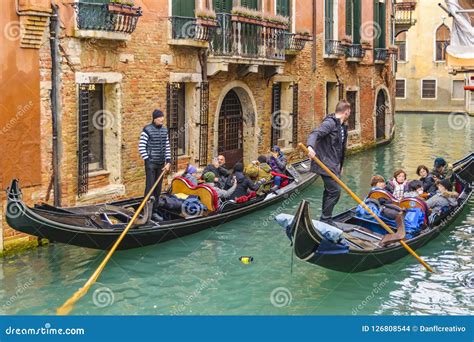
{"x":326,"y":142}
{"x":429,"y":184}
{"x":243,"y":185}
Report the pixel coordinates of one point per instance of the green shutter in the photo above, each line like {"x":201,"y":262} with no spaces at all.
{"x":376,"y":22}
{"x":349,"y":17}
{"x":283,"y":7}
{"x":357,"y":21}
{"x":182,"y":8}
{"x":382,"y":21}
{"x":328,"y":19}
{"x":222,"y":6}
{"x":253,"y":4}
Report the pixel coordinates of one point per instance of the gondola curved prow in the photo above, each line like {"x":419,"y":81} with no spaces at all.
{"x":15,"y":207}
{"x":304,"y":236}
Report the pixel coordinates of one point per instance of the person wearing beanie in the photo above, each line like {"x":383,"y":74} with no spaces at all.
{"x":443,"y":168}
{"x":277,"y":162}
{"x":445,"y":197}
{"x":209,"y":179}
{"x":154,"y":148}
{"x":191,"y":174}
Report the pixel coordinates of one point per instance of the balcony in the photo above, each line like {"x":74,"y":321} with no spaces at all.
{"x":404,"y":15}
{"x":188,"y":31}
{"x":241,"y":41}
{"x":105,"y":21}
{"x":354,"y":53}
{"x":381,"y":55}
{"x":333,"y":49}
{"x":294,"y":43}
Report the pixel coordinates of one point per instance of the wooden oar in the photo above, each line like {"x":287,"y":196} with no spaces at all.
{"x":69,"y":304}
{"x":359,"y":201}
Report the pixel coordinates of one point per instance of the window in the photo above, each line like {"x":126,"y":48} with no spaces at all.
{"x":401,"y":42}
{"x":400,"y":91}
{"x":442,"y":41}
{"x":96,"y":129}
{"x":283,"y":7}
{"x":379,"y":23}
{"x":353,"y":20}
{"x":352,"y":99}
{"x":176,"y":119}
{"x":253,"y":4}
{"x":222,"y":6}
{"x":458,"y":90}
{"x":428,"y":89}
{"x":330,"y":17}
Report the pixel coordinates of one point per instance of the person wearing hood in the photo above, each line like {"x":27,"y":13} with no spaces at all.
{"x":154,"y":148}
{"x":191,"y":174}
{"x":443,"y":168}
{"x":445,"y":197}
{"x":209,"y":180}
{"x":244,"y":184}
{"x":277,"y":162}
{"x":328,"y":142}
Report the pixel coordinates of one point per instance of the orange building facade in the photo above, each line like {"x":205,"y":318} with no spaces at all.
{"x":234,"y":77}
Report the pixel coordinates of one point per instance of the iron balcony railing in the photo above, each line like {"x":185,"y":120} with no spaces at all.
{"x":245,"y":39}
{"x":293,"y":43}
{"x":404,"y":13}
{"x":333,"y":48}
{"x":381,"y":54}
{"x":188,"y":28}
{"x":355,"y":51}
{"x":96,"y":16}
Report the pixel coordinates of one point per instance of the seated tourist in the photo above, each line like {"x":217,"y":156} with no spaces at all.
{"x":398,"y":185}
{"x":429,"y":184}
{"x":191,"y":174}
{"x":443,"y":168}
{"x":277,"y":162}
{"x":445,"y":197}
{"x":244,"y":185}
{"x":415,"y":189}
{"x":217,"y":167}
{"x":378,"y":183}
{"x":210,"y":180}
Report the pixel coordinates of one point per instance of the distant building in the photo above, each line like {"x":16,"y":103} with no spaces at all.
{"x":235,"y":85}
{"x":423,"y":83}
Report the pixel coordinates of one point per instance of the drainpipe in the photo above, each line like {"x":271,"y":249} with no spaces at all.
{"x":56,"y":102}
{"x":314,"y":51}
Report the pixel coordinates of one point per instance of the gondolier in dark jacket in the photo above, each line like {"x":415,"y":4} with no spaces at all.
{"x":154,"y":147}
{"x":328,"y":142}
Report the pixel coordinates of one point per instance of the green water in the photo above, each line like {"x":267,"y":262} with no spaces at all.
{"x":202,"y":275}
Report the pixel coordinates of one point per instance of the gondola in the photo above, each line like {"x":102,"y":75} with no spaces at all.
{"x":99,"y":226}
{"x":361,"y":246}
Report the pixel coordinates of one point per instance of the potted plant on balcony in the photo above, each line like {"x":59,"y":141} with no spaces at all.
{"x":276,"y":21}
{"x":206,"y":17}
{"x":123,"y":7}
{"x":246,"y":15}
{"x":393,"y":49}
{"x":346,"y":41}
{"x":303,"y":35}
{"x":366,"y":44}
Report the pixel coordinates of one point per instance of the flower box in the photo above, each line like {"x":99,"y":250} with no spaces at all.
{"x":123,"y":9}
{"x":305,"y":37}
{"x":248,"y":20}
{"x":272,"y":24}
{"x":209,"y":22}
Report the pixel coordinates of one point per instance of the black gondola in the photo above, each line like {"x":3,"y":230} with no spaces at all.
{"x":364,"y":250}
{"x":99,"y":226}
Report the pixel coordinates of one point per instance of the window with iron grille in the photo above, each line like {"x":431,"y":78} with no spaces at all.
{"x":400,"y":89}
{"x":174,"y":120}
{"x":352,"y":99}
{"x":276,"y":114}
{"x":204,"y":124}
{"x":428,"y":89}
{"x":90,"y":133}
{"x":295,"y":115}
{"x":442,"y":41}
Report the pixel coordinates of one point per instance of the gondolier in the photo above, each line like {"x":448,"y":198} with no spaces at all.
{"x":154,"y":147}
{"x":328,"y":142}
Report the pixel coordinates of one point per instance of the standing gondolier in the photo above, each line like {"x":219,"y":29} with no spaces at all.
{"x":154,"y":147}
{"x":328,"y":143}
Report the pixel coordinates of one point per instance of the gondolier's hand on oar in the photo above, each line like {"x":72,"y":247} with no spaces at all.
{"x":167,"y":168}
{"x":311,"y":153}
{"x":308,"y":150}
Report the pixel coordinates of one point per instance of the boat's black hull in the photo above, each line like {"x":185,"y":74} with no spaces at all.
{"x":306,"y":238}
{"x":33,"y":221}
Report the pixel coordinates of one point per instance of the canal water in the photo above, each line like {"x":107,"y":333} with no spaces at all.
{"x":202,"y":275}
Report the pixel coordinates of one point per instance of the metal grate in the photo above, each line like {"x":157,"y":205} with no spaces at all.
{"x":276,"y":114}
{"x":83,"y":139}
{"x":230,"y":123}
{"x":295,"y":115}
{"x":204,"y":124}
{"x":172,"y":93}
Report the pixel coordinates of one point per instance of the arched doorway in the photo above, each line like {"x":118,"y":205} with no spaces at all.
{"x":380,"y":114}
{"x":230,"y":140}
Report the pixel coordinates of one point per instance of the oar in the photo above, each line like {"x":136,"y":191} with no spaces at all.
{"x":69,"y":304}
{"x":358,"y":200}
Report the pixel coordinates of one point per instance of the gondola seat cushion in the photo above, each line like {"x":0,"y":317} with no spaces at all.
{"x":382,"y":196}
{"x":207,"y":195}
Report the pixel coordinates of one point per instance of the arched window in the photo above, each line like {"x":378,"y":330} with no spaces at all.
{"x":442,"y":41}
{"x":401,"y":42}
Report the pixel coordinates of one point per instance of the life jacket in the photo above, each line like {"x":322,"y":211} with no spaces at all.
{"x":156,"y":147}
